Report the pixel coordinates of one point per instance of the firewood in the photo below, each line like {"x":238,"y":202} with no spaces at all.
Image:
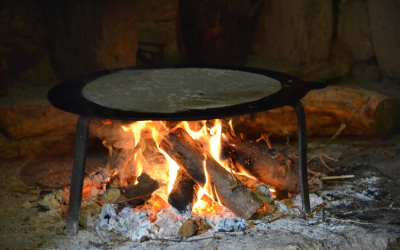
{"x":190,"y":156}
{"x":267,"y":165}
{"x":326,"y":109}
{"x":261,"y":190}
{"x":111,"y":195}
{"x":337,"y":177}
{"x":182,"y":194}
{"x":137,"y":194}
{"x":188,"y":228}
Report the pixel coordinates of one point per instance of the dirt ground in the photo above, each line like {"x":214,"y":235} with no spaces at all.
{"x":25,"y":225}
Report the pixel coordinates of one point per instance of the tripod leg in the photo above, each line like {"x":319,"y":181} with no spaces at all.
{"x":301,"y":120}
{"x":78,"y":171}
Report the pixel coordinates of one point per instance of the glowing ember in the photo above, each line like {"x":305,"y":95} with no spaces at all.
{"x":106,"y":121}
{"x":205,"y":205}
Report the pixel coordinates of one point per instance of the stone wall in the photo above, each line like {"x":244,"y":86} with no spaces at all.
{"x":216,"y":32}
{"x":46,"y":41}
{"x":89,"y":36}
{"x":54,"y":40}
{"x":353,"y":32}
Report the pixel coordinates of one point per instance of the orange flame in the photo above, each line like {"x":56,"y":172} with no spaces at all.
{"x":154,"y":127}
{"x":210,"y":139}
{"x":173,"y":170}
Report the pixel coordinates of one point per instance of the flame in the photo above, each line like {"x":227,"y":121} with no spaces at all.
{"x":202,"y":190}
{"x":139,"y":163}
{"x":231,"y":128}
{"x":202,"y":205}
{"x":215,"y":142}
{"x":154,"y":128}
{"x":209,"y":137}
{"x":173,"y":170}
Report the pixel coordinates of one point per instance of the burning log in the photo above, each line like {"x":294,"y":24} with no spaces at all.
{"x":137,"y":194}
{"x":190,"y":156}
{"x":262,"y":191}
{"x":267,"y":165}
{"x":182,"y":196}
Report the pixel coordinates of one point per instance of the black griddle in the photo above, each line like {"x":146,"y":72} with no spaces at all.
{"x":68,"y":96}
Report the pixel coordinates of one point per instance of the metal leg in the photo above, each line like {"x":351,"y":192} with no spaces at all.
{"x":301,"y":120}
{"x":78,"y":171}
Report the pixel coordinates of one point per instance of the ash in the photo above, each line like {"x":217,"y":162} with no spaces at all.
{"x":315,"y":201}
{"x":136,"y":225}
{"x":146,"y":229}
{"x":145,"y":223}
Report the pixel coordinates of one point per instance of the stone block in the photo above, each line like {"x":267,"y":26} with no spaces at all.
{"x":46,"y":146}
{"x":35,"y":119}
{"x":158,"y":22}
{"x":215,"y":32}
{"x":321,"y":71}
{"x":353,"y":30}
{"x":298,"y":33}
{"x":156,"y":10}
{"x":18,"y":18}
{"x":86,"y":37}
{"x":384,"y":16}
{"x":22,"y":32}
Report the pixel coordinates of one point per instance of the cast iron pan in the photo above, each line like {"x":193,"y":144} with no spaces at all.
{"x":68,"y":97}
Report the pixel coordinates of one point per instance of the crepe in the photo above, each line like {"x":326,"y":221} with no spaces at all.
{"x":177,"y":90}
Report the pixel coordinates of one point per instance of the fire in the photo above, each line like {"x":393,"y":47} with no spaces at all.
{"x":209,"y":137}
{"x":215,"y":142}
{"x":137,"y":129}
{"x":206,"y":190}
{"x":173,"y":170}
{"x":138,"y":161}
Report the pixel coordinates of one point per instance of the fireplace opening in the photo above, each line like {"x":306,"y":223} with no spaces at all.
{"x":245,"y":177}
{"x":192,"y":175}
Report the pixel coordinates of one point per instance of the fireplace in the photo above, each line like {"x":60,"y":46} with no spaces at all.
{"x":168,"y":108}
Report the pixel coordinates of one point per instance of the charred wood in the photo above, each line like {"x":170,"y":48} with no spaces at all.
{"x":267,"y":165}
{"x":260,"y":189}
{"x":182,"y":196}
{"x":190,"y":156}
{"x":137,"y":194}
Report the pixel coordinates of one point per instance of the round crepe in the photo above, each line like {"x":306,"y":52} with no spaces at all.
{"x":176,"y":90}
